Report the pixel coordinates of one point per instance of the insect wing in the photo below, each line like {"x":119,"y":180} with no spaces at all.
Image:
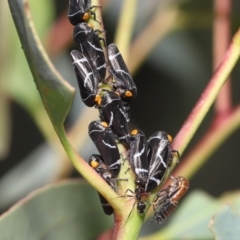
{"x":167,"y":199}
{"x":106,"y":145}
{"x":97,"y":162}
{"x":126,"y":109}
{"x":77,"y":10}
{"x":138,"y":154}
{"x":123,"y":79}
{"x":88,"y":84}
{"x":90,"y":46}
{"x":107,"y":208}
{"x":111,"y":111}
{"x":158,"y":157}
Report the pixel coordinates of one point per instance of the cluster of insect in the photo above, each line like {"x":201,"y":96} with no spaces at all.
{"x":149,"y":158}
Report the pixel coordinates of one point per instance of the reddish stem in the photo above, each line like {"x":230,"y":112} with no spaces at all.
{"x":208,"y":96}
{"x":209,"y":142}
{"x":221,"y":37}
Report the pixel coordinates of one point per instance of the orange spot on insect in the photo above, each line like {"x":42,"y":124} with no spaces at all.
{"x":128,"y":94}
{"x":86,"y":16}
{"x":170,"y":138}
{"x":99,"y":101}
{"x":134,"y":132}
{"x":105,"y":124}
{"x":94,"y":164}
{"x":97,"y":97}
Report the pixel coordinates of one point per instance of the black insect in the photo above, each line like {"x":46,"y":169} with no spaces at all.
{"x":111,"y":111}
{"x":138,"y":157}
{"x":90,"y":46}
{"x":160,"y":155}
{"x":139,"y":163}
{"x":87,"y":82}
{"x":150,"y":167}
{"x":140,"y":195}
{"x":97,"y":162}
{"x":105,"y":143}
{"x":122,"y":82}
{"x":167,"y":199}
{"x":108,"y":173}
{"x":80,"y":11}
{"x":126,"y":109}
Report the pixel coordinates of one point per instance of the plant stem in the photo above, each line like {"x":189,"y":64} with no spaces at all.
{"x":165,"y":17}
{"x":125,"y":28}
{"x":211,"y":141}
{"x":208,"y":96}
{"x":221,"y":33}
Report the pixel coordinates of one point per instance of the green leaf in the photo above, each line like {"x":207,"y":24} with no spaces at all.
{"x":19,"y":82}
{"x":66,"y":210}
{"x":57,"y":95}
{"x":226,"y":224}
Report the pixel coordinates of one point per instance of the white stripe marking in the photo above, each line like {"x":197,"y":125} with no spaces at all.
{"x":111,"y":57}
{"x":139,"y":153}
{"x":111,"y":119}
{"x":75,"y":13}
{"x":108,"y":144}
{"x":140,"y":170}
{"x":94,"y":47}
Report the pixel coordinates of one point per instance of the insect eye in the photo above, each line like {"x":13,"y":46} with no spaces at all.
{"x":105,"y":124}
{"x":134,"y":132}
{"x":169,"y":138}
{"x":128,"y":94}
{"x":94,"y":163}
{"x":86,"y":16}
